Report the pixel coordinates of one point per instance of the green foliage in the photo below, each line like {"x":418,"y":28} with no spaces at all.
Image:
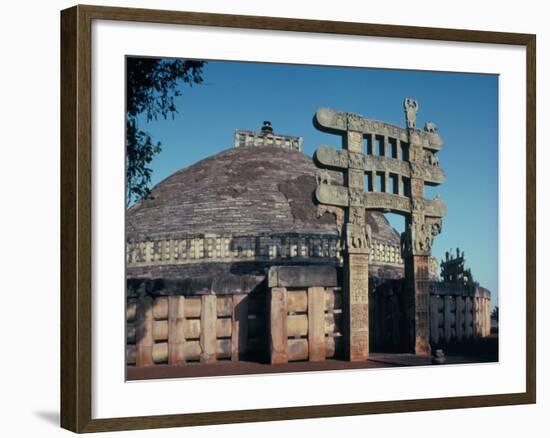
{"x":152,"y":86}
{"x":494,"y":314}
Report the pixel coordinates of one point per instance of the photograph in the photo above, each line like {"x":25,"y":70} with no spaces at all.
{"x":275,"y":219}
{"x":285,"y":218}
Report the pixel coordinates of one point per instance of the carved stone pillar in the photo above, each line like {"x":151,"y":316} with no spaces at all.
{"x":144,"y":331}
{"x":418,"y":304}
{"x":207,"y":339}
{"x":239,"y":326}
{"x":459,"y":324}
{"x":399,"y":150}
{"x":372,"y":143}
{"x":278,"y":329}
{"x":176,"y":330}
{"x":418,"y":233}
{"x":356,"y":305}
{"x":434,"y":319}
{"x":316,"y":323}
{"x":400,"y":188}
{"x":356,"y":263}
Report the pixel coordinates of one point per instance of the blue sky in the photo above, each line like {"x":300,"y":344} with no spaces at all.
{"x":239,"y":95}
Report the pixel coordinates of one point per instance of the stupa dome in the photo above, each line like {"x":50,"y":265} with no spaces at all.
{"x":251,"y":205}
{"x":241,"y":191}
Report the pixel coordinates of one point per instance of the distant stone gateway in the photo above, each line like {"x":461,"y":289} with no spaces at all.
{"x":261,"y":253}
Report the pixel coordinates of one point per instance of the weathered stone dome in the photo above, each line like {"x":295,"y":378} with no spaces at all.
{"x":229,"y":217}
{"x":246,"y":190}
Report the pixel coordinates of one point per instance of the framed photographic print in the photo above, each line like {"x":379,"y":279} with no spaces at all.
{"x":267,"y":218}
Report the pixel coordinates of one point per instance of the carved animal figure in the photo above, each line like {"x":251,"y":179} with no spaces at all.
{"x":431,"y":159}
{"x":430,"y":127}
{"x":361,"y":239}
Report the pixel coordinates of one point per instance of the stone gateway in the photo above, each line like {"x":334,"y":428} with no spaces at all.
{"x":407,"y":157}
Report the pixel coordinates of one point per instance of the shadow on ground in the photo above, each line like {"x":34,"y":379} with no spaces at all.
{"x":51,"y":417}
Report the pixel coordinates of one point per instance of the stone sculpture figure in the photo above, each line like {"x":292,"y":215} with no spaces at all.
{"x":411,"y":107}
{"x":356,"y":217}
{"x":431,"y":159}
{"x":422,"y":238}
{"x":356,"y":196}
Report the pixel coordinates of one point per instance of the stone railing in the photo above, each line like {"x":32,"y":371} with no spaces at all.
{"x":251,"y":138}
{"x":305,"y":321}
{"x":381,"y":252}
{"x":458,"y":312}
{"x":232,"y":248}
{"x":298,"y":316}
{"x":176,"y":329}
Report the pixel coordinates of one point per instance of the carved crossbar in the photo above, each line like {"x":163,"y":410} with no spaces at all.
{"x":387,"y":202}
{"x":339,"y":160}
{"x":328,"y":120}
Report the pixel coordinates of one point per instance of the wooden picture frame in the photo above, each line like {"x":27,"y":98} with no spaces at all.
{"x":76,"y":217}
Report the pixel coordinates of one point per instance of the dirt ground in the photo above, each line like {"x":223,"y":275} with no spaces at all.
{"x":485,"y":350}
